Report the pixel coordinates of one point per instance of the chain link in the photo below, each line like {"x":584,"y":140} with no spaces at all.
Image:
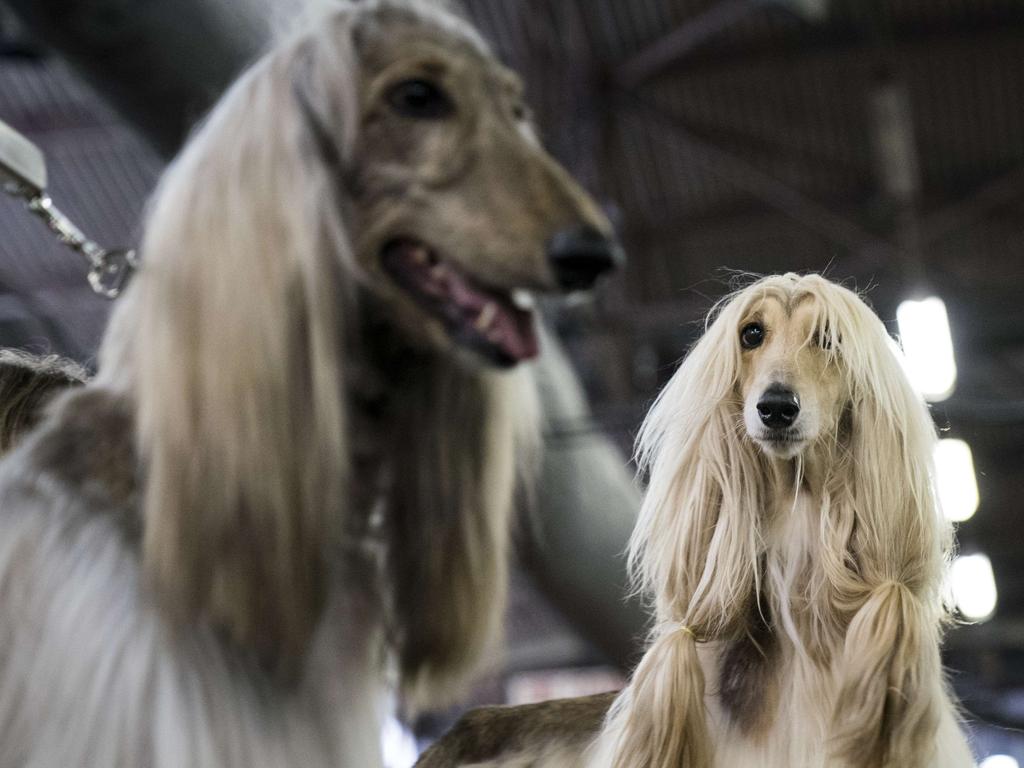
{"x":109,"y":271}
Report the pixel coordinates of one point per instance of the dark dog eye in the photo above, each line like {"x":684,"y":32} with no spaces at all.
{"x":420,"y":99}
{"x":752,"y":335}
{"x":823,"y":338}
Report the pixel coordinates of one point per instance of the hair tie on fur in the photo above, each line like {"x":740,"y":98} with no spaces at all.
{"x":888,"y":584}
{"x":665,"y":725}
{"x":671,"y":627}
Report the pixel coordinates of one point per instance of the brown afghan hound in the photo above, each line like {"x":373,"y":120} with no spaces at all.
{"x":287,"y":490}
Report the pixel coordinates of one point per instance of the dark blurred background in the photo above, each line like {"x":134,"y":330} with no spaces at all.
{"x":880,"y":141}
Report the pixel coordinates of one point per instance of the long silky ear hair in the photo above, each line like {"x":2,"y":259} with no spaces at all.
{"x":465,"y":438}
{"x":695,"y":545}
{"x":230,"y":342}
{"x":464,"y":443}
{"x":884,"y":546}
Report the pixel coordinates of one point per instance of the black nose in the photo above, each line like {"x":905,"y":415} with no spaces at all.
{"x":778,"y":407}
{"x":581,"y":255}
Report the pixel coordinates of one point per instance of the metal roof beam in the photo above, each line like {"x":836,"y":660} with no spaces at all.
{"x":667,"y":50}
{"x":833,"y":42}
{"x":161,"y":64}
{"x":1005,"y":189}
{"x":773,"y":191}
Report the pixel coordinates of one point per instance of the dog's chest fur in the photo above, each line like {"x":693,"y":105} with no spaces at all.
{"x":92,"y":673}
{"x":774,"y":685}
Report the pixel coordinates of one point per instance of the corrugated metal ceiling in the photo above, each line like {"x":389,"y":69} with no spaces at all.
{"x":707,"y":165}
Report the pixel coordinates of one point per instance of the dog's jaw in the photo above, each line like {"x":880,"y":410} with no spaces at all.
{"x":783,"y":447}
{"x":499,"y":326}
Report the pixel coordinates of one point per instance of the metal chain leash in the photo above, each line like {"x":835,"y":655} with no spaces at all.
{"x":23,"y":174}
{"x":109,"y":271}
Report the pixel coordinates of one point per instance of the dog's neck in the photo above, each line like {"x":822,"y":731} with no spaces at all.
{"x":440,"y":446}
{"x":783,"y":626}
{"x":795,"y":497}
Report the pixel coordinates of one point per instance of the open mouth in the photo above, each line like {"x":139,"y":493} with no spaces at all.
{"x":497,"y":325}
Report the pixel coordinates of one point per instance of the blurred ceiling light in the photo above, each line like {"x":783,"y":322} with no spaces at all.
{"x":398,"y":745}
{"x":927,"y":347}
{"x":954,"y":479}
{"x":999,"y":761}
{"x":973,"y":586}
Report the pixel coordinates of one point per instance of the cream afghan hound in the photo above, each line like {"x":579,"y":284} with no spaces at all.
{"x":792,"y":544}
{"x":287,"y":491}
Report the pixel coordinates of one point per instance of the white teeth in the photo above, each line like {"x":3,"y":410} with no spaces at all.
{"x":523,"y":299}
{"x":419,"y":255}
{"x":486,"y":316}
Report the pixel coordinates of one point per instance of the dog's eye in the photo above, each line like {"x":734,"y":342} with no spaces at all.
{"x":823,"y":338}
{"x":752,"y":335}
{"x":420,"y":99}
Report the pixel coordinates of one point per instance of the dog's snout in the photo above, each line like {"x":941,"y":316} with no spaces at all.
{"x":778,"y":407}
{"x":579,"y":256}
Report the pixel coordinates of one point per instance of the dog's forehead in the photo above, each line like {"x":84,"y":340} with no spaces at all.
{"x":393,"y":33}
{"x":782,"y":304}
{"x":768,"y":304}
{"x":803,"y":307}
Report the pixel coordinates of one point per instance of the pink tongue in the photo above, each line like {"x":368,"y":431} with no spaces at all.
{"x":515,"y":332}
{"x":509,"y":328}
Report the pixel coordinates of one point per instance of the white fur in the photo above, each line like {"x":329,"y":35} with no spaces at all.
{"x":92,"y":675}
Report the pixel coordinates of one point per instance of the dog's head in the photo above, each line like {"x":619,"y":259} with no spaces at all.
{"x":458,"y":213}
{"x":374,"y":169}
{"x":789,"y":367}
{"x":789,"y":379}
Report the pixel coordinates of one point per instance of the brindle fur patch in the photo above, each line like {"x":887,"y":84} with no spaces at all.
{"x":746,"y":687}
{"x":493,"y":733}
{"x":27,"y":385}
{"x":87,"y":447}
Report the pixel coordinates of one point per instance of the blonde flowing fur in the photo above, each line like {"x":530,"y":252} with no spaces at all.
{"x":794,"y":551}
{"x":809,"y":573}
{"x":277,"y":472}
{"x":289,"y":486}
